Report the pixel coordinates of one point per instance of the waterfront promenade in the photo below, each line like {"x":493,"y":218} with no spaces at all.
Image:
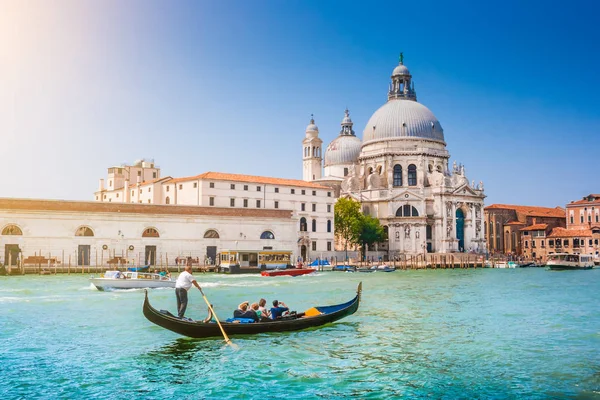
{"x":453,"y":334}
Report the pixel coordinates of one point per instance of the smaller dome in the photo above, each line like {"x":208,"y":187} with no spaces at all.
{"x":343,"y":150}
{"x":400,"y":70}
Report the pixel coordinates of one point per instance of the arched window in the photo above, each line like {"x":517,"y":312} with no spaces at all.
{"x":366,"y":210}
{"x":328,"y":225}
{"x":84,"y":231}
{"x":167,"y":200}
{"x":150,"y":232}
{"x":345,"y":171}
{"x":407,"y":211}
{"x":386,"y":233}
{"x":211,"y":234}
{"x":379,"y":170}
{"x":314,"y":225}
{"x":267,"y":235}
{"x":397,"y":175}
{"x":12,"y":230}
{"x":303,"y":226}
{"x":412,"y":175}
{"x":370,"y":170}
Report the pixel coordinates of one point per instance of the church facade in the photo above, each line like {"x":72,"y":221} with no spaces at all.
{"x":400,"y":173}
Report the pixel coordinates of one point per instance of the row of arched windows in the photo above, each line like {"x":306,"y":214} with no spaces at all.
{"x":304,"y":225}
{"x":148,"y":232}
{"x":412,"y":175}
{"x":213,"y":234}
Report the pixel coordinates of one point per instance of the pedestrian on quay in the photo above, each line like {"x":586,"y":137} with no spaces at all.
{"x":183,"y":284}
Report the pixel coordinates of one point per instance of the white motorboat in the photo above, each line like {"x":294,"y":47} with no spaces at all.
{"x":565,"y":261}
{"x":131,"y":280}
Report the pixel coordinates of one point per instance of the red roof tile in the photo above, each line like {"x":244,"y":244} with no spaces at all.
{"x":514,"y":223}
{"x":136,"y":208}
{"x":220,"y":176}
{"x":562,"y":232}
{"x":536,"y":227}
{"x":531,"y":211}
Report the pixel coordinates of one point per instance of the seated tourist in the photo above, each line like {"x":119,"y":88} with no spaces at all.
{"x":264,"y":313}
{"x":243,"y":312}
{"x":278,"y":309}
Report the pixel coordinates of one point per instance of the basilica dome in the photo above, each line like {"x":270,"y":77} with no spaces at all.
{"x":403,"y":118}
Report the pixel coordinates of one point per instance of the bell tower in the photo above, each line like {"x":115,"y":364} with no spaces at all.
{"x":311,"y":153}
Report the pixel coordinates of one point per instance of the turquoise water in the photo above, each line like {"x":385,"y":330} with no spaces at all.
{"x":485,"y":333}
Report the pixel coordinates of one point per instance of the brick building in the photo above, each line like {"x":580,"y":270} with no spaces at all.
{"x":505,"y":225}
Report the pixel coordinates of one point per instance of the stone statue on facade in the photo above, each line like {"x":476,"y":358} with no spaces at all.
{"x":480,"y":187}
{"x":406,"y":231}
{"x":448,"y":230}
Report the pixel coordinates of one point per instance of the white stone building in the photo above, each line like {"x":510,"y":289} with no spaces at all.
{"x":400,"y":174}
{"x":92,"y":233}
{"x":311,"y":203}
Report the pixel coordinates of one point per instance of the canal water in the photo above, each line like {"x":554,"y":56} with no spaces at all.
{"x":450,"y":334}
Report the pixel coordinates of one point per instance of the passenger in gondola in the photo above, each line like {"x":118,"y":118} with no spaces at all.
{"x":264,"y":313}
{"x":279,"y":307}
{"x":243,"y":312}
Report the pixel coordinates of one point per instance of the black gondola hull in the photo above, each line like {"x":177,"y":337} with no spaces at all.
{"x":199,"y":329}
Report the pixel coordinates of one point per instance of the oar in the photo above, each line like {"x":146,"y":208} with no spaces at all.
{"x":227,"y":340}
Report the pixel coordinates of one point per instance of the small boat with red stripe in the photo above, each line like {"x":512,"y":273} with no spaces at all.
{"x":288,"y":272}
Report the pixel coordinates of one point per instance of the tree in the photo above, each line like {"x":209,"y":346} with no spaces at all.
{"x":371,"y":232}
{"x":347,"y":219}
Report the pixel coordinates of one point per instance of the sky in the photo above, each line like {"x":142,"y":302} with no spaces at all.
{"x":230,"y":86}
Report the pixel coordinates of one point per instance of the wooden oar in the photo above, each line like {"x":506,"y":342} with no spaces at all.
{"x":227,"y":340}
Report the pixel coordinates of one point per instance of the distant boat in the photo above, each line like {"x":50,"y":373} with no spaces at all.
{"x":565,"y":261}
{"x":131,"y":280}
{"x":377,"y":268}
{"x":288,"y":272}
{"x":344,"y":268}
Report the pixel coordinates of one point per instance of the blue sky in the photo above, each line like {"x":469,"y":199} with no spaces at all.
{"x":230,"y":86}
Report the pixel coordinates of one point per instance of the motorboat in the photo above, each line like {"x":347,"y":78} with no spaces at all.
{"x":288,"y":272}
{"x":131,"y":280}
{"x":377,"y":268}
{"x":565,"y":261}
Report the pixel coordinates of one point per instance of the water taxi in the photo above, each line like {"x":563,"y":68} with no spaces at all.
{"x":565,"y":261}
{"x":131,"y":280}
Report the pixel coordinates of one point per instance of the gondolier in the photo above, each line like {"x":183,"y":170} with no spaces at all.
{"x":183,"y":284}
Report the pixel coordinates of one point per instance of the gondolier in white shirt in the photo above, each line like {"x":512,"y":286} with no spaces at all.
{"x":182,"y":285}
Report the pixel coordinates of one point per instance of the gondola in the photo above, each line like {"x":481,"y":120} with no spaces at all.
{"x":313,"y":317}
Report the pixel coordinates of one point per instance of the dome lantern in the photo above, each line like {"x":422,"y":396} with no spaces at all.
{"x":401,"y":88}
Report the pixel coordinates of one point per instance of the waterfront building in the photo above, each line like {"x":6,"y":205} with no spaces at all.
{"x":311,"y":203}
{"x":505,"y":226}
{"x":93,"y":233}
{"x":584,"y":213}
{"x":581,"y":235}
{"x":400,"y":174}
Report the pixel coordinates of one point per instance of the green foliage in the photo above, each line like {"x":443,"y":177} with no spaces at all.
{"x":354,"y":227}
{"x":347,"y":218}
{"x":371,"y":232}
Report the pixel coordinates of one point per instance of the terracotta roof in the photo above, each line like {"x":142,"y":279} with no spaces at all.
{"x":514,"y":223}
{"x":531,"y":211}
{"x":536,"y":227}
{"x":562,"y":232}
{"x":596,"y":200}
{"x":136,"y":208}
{"x":220,"y":176}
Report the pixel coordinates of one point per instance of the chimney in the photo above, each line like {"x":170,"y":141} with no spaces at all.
{"x":101,"y":186}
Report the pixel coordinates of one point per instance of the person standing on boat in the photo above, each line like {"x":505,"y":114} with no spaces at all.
{"x":182,"y":285}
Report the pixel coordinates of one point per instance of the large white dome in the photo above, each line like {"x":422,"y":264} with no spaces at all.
{"x":343,"y":150}
{"x":403,"y":118}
